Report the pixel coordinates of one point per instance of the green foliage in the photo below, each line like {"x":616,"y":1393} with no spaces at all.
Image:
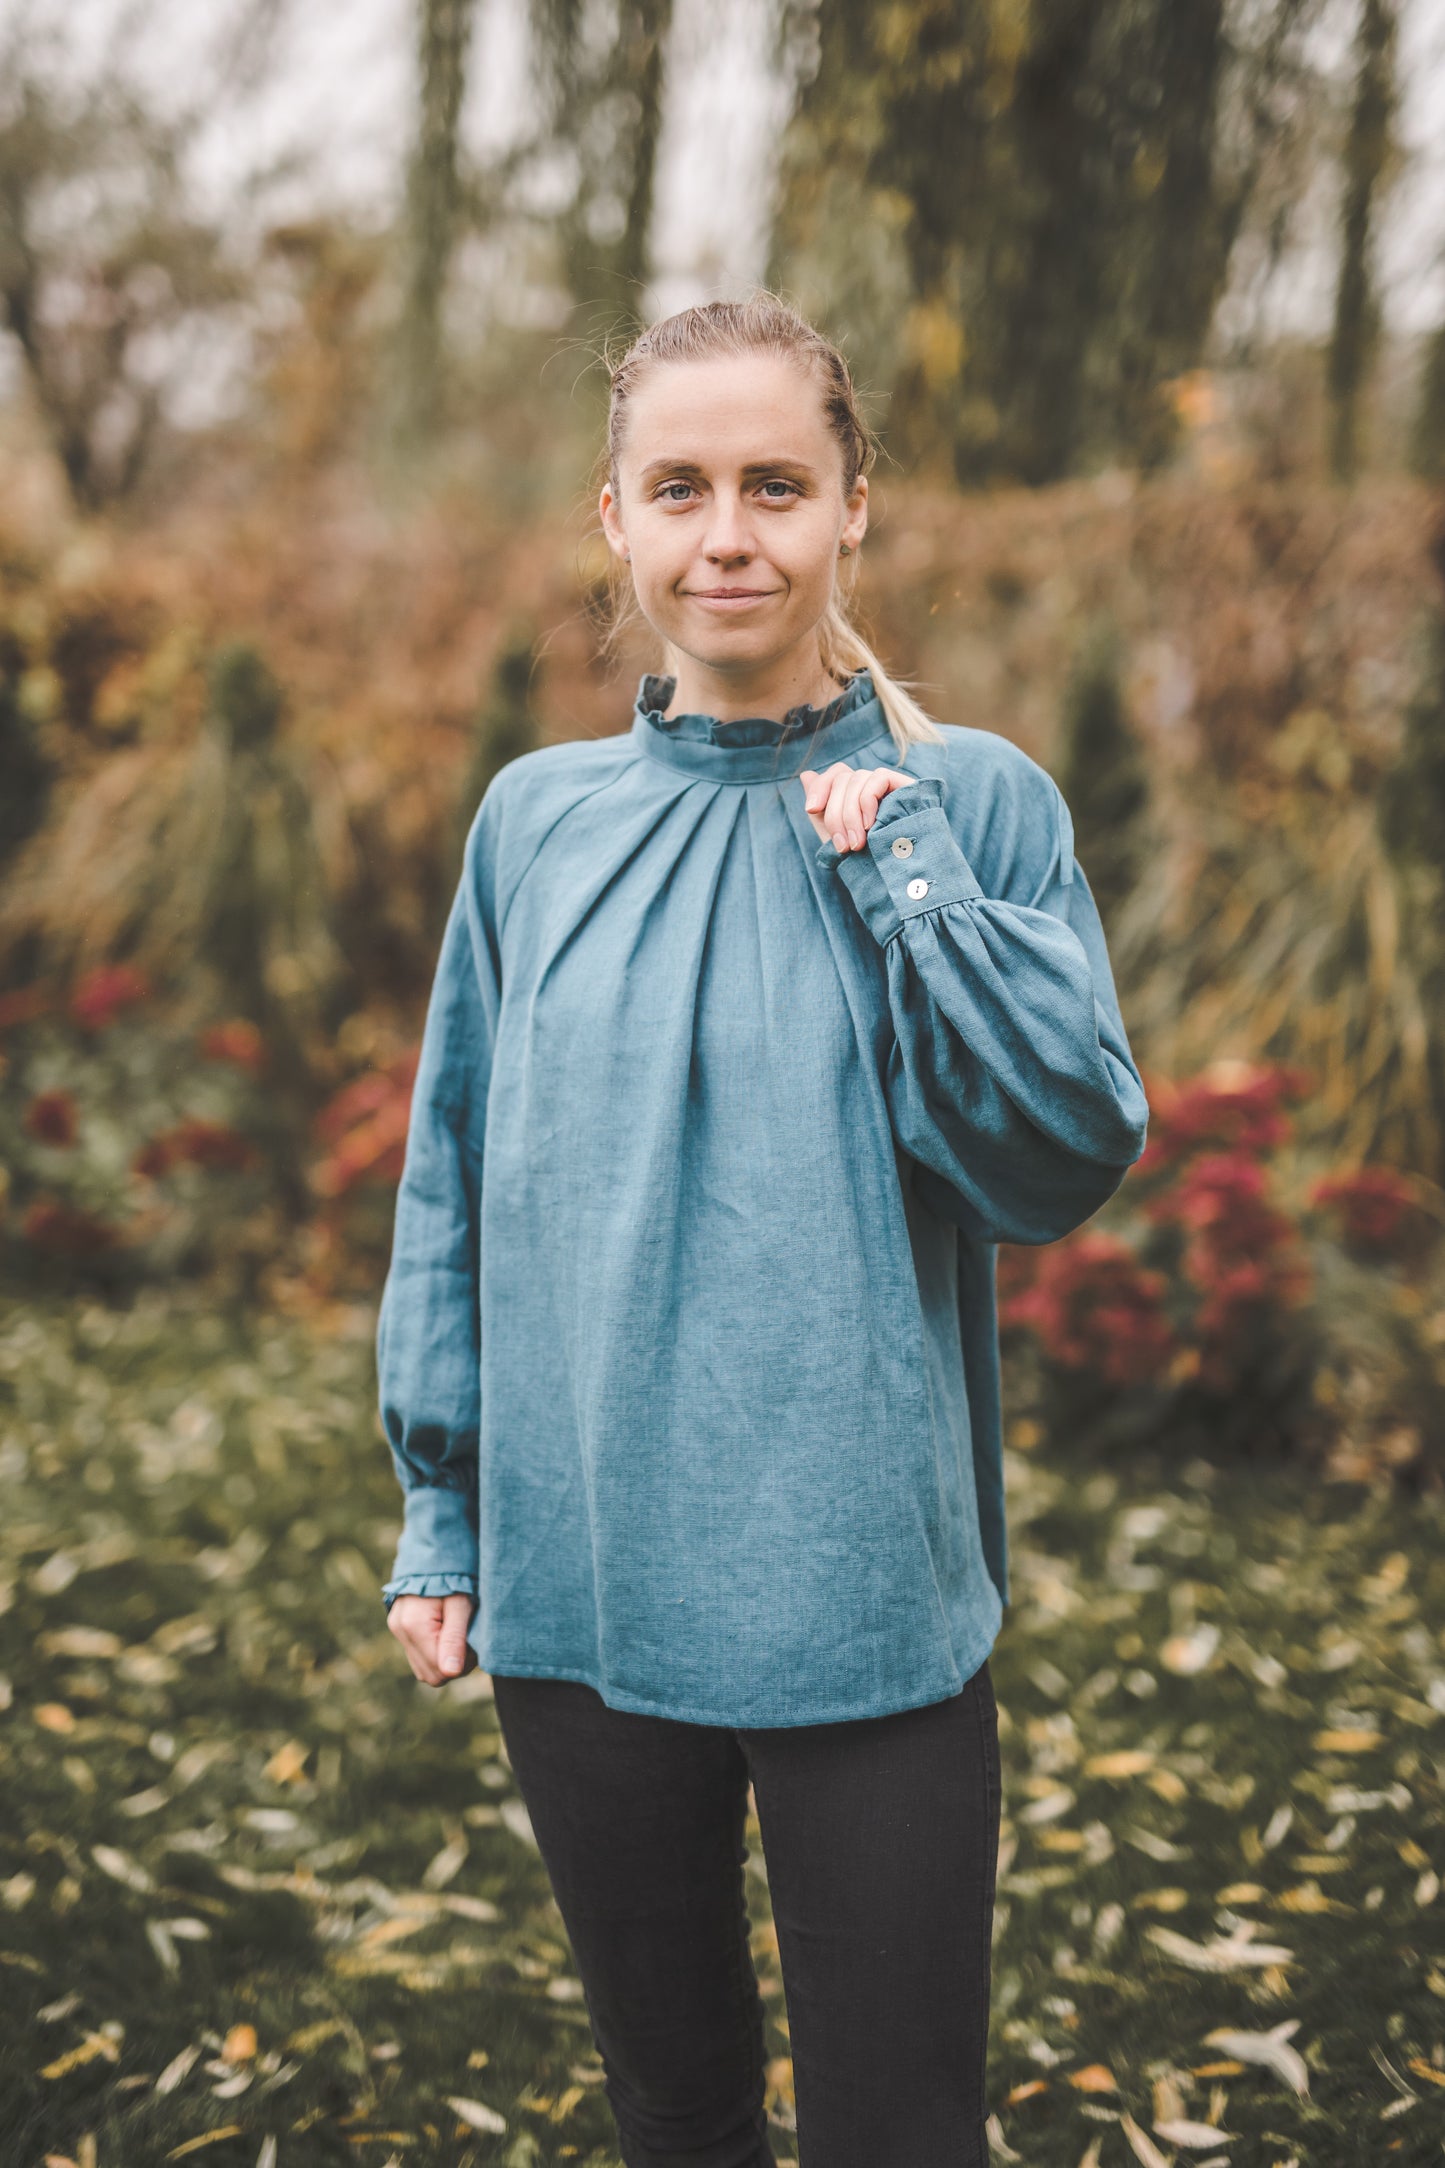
{"x":255,"y":1879}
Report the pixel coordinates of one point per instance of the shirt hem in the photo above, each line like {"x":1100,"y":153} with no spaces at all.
{"x":618,"y":1697}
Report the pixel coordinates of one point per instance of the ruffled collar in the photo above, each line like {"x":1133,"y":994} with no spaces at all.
{"x":756,"y":748}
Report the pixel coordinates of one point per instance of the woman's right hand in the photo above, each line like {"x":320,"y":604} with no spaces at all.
{"x":433,"y":1632}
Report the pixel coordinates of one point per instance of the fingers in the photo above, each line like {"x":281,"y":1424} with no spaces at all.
{"x":452,"y":1646}
{"x":433,"y":1633}
{"x":843,"y":802}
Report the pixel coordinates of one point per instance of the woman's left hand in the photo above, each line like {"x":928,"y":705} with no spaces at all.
{"x":842,"y":802}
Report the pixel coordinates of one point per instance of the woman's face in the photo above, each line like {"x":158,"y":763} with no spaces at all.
{"x":730,"y":508}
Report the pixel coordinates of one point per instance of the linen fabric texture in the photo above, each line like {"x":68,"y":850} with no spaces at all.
{"x":688,"y":1347}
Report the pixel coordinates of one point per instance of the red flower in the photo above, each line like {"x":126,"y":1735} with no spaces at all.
{"x":101,"y":994}
{"x":365,"y":1096}
{"x":64,"y":1231}
{"x":50,"y":1117}
{"x":1231,"y":1105}
{"x":365,"y":1123}
{"x":374,"y":1151}
{"x":1094,"y":1308}
{"x":213,"y":1145}
{"x":154,"y":1159}
{"x":237,"y":1041}
{"x":1377,"y":1208}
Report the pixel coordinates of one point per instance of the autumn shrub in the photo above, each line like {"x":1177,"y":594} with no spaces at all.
{"x":1237,"y":1297}
{"x":360,"y":1140}
{"x":132,"y":1141}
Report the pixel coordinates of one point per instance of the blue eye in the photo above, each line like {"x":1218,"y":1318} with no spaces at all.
{"x":790,"y":487}
{"x":668,"y":487}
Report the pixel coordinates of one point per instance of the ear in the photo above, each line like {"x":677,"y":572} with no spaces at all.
{"x":855,"y":524}
{"x":612,"y":526}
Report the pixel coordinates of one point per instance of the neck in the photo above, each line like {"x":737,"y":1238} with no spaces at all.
{"x":766,"y":689}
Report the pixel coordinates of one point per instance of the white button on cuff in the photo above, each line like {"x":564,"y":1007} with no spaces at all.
{"x":903,"y":847}
{"x":917,"y":888}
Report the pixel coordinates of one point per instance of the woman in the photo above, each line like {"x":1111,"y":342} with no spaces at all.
{"x":754,"y":1029}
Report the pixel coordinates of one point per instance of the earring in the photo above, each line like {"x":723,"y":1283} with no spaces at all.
{"x":845,"y":549}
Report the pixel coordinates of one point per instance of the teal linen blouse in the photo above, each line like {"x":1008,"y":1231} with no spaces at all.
{"x":688,"y":1348}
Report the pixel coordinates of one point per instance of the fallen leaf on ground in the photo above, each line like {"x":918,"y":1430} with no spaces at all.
{"x":1193,"y":2136}
{"x":90,"y":2049}
{"x":475,"y":2113}
{"x":1220,"y":1955}
{"x":1268,"y":2049}
{"x":1141,"y":2143}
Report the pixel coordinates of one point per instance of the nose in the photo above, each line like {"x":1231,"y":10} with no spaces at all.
{"x":729,"y":535}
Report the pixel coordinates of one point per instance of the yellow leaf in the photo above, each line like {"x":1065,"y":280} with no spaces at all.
{"x":240,"y":2046}
{"x":1229,"y":2069}
{"x":1308,"y":1897}
{"x":81,"y":1641}
{"x":207,"y":2137}
{"x":54,"y":1716}
{"x":1168,"y":1784}
{"x":1240,"y":1893}
{"x":1026,"y":2091}
{"x":311,"y":2037}
{"x":780,"y":2081}
{"x":1347,"y":1742}
{"x":91,"y":2048}
{"x":395,"y":1929}
{"x":287,"y":1763}
{"x":1130,"y":1761}
{"x":1163,"y":1900}
{"x":1094,"y":2078}
{"x":1425,"y":2070}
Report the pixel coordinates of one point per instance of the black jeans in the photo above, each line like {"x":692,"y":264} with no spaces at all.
{"x":881,"y":1843}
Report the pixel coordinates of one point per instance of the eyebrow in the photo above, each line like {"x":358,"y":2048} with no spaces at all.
{"x":656,"y":468}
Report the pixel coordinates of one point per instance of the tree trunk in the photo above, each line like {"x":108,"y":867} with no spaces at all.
{"x":1356,"y":326}
{"x":444,"y":31}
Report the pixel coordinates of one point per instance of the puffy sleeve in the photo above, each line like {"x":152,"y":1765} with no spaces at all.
{"x":428,"y":1330}
{"x":1009,"y":1076}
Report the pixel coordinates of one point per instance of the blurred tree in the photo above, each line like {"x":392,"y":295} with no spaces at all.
{"x":432,"y":201}
{"x":108,"y":280}
{"x":604,"y":83}
{"x":1065,"y":184}
{"x":1369,"y":153}
{"x":1102,"y":771}
{"x":314,"y":354}
{"x":264,"y":926}
{"x":1427,"y":437}
{"x":505,"y":727}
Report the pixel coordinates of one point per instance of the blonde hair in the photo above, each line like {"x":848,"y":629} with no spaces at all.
{"x":765,"y":323}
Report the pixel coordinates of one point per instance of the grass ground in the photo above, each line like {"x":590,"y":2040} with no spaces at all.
{"x":264,"y":1900}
